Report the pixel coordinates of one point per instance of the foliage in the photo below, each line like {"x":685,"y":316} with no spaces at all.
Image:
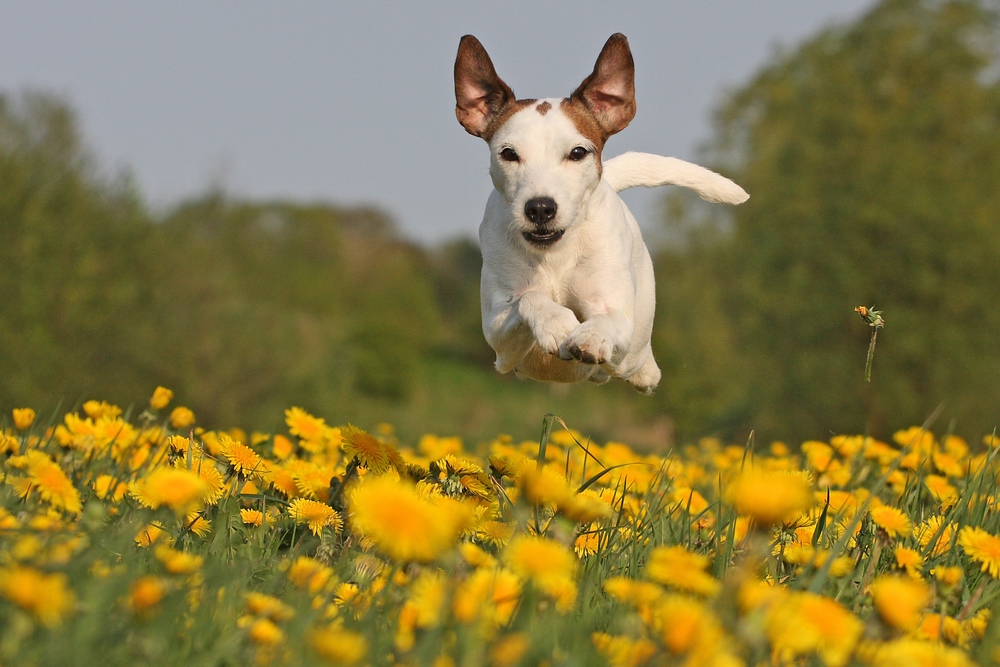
{"x":151,"y":540}
{"x":871,"y":154}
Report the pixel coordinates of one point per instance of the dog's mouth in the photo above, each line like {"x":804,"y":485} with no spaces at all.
{"x":543,"y":239}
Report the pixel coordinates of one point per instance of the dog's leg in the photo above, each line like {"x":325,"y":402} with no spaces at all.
{"x":532,"y":319}
{"x":600,"y":339}
{"x":648,"y":376}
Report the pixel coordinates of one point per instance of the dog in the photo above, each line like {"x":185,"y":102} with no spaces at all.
{"x":567,"y":283}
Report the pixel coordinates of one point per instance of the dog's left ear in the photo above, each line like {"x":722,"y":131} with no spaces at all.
{"x":480,"y":95}
{"x":609,"y":92}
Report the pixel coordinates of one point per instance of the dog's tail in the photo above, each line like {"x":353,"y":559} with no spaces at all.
{"x":631,"y":169}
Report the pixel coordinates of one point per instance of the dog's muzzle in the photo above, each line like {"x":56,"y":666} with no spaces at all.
{"x":540,"y":211}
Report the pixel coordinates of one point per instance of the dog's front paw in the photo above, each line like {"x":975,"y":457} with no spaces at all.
{"x":588,"y":344}
{"x":552,"y":331}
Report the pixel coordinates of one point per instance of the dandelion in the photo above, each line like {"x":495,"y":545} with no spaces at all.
{"x":948,"y":577}
{"x":265,"y":633}
{"x":315,"y":514}
{"x":909,"y":560}
{"x":621,"y":651}
{"x":176,"y":488}
{"x":900,"y":600}
{"x":309,"y":573}
{"x":181,"y":417}
{"x":101,"y":409}
{"x":688,"y":628}
{"x":679,"y":568}
{"x":47,"y":597}
{"x":282,"y":447}
{"x":251,"y":517}
{"x":161,"y":397}
{"x":245,"y":461}
{"x":23,"y":418}
{"x":338,"y":646}
{"x":304,"y":425}
{"x":267,"y":606}
{"x":145,"y":593}
{"x":982,"y":547}
{"x":178,"y":562}
{"x":548,"y":564}
{"x":931,"y":530}
{"x":508,"y":650}
{"x":52,"y":483}
{"x":770,"y":497}
{"x":801,"y":623}
{"x":891,"y":520}
{"x":404,"y":524}
{"x":370,"y":452}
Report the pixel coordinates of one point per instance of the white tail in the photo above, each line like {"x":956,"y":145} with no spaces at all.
{"x":631,"y":169}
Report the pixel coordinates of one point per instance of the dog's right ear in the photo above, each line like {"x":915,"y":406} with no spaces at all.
{"x":480,"y":94}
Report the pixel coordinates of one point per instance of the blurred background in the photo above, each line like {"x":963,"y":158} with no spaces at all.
{"x":261,"y":208}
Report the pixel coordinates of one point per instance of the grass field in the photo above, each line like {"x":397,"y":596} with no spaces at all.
{"x":144,"y":539}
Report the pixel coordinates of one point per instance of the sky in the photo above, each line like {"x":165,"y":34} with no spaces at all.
{"x":352,"y":103}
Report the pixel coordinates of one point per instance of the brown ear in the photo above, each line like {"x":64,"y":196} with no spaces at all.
{"x":609,"y":92}
{"x":480,"y":94}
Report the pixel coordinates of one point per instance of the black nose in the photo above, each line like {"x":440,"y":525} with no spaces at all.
{"x":540,"y":210}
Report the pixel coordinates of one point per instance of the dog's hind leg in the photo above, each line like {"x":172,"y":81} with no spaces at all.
{"x":646,"y":379}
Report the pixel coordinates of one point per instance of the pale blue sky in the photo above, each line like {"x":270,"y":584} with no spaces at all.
{"x":353,"y":103}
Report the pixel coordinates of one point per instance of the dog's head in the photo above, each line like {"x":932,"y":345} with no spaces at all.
{"x":545,"y":155}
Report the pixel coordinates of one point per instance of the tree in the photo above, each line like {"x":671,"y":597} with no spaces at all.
{"x":872,"y":156}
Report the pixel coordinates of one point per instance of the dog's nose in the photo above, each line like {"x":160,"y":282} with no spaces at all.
{"x":540,"y":210}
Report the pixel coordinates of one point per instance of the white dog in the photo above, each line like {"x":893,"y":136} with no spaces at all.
{"x":567,"y":285}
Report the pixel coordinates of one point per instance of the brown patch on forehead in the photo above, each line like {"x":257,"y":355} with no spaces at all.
{"x":543,"y":108}
{"x":586,"y":124}
{"x":496,"y":121}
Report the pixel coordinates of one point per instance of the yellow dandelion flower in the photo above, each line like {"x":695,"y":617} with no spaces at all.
{"x":282,"y":447}
{"x":495,"y":533}
{"x":23,"y":418}
{"x":309,"y":573}
{"x":316,"y":514}
{"x":770,"y":497}
{"x":304,"y":425}
{"x":251,"y":517}
{"x":338,"y":646}
{"x":370,"y":452}
{"x":909,"y":560}
{"x":630,"y":591}
{"x":108,"y":487}
{"x":265,"y":633}
{"x":586,"y":507}
{"x":151,"y":534}
{"x":931,"y":530}
{"x":543,"y":485}
{"x":948,"y":577}
{"x":916,"y":653}
{"x":181,"y":417}
{"x":178,"y":562}
{"x":508,"y":650}
{"x":623,"y":651}
{"x":160,"y":398}
{"x":982,"y":547}
{"x":245,"y":461}
{"x":179,"y":489}
{"x":801,"y":623}
{"x":891,"y":520}
{"x":404,"y":524}
{"x":145,"y":593}
{"x":549,"y":565}
{"x":267,"y":606}
{"x":900,"y":600}
{"x":488,"y":594}
{"x":47,"y":597}
{"x":679,"y":568}
{"x":9,"y":444}
{"x":100,"y":409}
{"x":943,"y":492}
{"x":52,"y":484}
{"x":688,"y":628}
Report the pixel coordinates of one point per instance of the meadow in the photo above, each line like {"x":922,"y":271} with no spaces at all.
{"x":144,"y":538}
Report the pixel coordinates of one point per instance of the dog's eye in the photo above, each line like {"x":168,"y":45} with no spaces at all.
{"x":578,"y":153}
{"x":509,"y":155}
